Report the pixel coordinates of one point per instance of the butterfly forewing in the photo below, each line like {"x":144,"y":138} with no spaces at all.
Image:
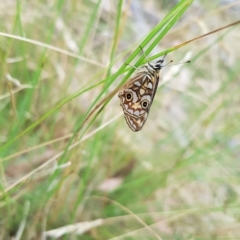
{"x":136,"y":98}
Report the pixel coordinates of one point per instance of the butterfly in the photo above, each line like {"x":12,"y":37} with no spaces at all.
{"x":136,"y":98}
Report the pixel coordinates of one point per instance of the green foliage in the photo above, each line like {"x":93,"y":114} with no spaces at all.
{"x":66,"y":156}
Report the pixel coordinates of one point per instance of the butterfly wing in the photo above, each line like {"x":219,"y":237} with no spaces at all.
{"x":142,"y":89}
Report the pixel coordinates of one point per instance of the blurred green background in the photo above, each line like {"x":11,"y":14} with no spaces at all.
{"x":178,"y":178}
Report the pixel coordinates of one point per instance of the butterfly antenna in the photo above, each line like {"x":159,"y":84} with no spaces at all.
{"x":167,"y":65}
{"x":162,"y":60}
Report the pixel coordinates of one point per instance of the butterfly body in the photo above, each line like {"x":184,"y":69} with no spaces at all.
{"x":137,"y":97}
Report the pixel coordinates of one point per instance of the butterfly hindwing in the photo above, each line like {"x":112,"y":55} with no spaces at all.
{"x":137,"y":97}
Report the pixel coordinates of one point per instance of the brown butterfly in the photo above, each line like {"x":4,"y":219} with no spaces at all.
{"x":137,"y":97}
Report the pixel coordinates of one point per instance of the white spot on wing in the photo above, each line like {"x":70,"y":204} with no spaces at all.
{"x":147,"y":97}
{"x":142,"y":91}
{"x":137,"y":84}
{"x":149,"y":85}
{"x":130,"y":111}
{"x":148,"y":77}
{"x":136,"y":113}
{"x":126,"y":106}
{"x":142,"y":112}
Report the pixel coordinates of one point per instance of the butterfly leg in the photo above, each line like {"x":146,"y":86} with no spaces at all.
{"x":144,"y":53}
{"x":127,"y":64}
